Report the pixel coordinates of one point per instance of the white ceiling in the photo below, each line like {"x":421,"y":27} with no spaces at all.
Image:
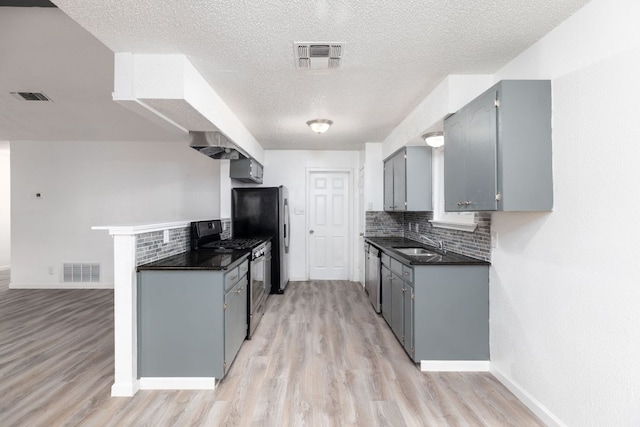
{"x":396,"y":53}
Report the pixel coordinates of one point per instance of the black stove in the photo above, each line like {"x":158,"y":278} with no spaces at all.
{"x":233,"y":244}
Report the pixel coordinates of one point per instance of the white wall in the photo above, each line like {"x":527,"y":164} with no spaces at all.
{"x":289,"y":168}
{"x":373,"y":177}
{"x":5,"y":206}
{"x":565,"y":288}
{"x":98,"y":183}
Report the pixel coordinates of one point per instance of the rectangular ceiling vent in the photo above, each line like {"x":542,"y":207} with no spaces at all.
{"x":318,"y":55}
{"x":80,"y":272}
{"x":31,"y":96}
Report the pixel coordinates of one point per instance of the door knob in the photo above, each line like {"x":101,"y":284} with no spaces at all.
{"x":310,"y":231}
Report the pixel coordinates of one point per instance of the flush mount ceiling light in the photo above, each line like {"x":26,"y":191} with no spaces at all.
{"x":434,"y":139}
{"x":319,"y":125}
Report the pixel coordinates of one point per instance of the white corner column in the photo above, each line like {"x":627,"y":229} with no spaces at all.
{"x":125,"y":316}
{"x":125,"y":300}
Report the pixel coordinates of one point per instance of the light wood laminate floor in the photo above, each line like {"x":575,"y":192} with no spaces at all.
{"x":320,"y":357}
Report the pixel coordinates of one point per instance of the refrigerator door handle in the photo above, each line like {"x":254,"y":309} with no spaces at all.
{"x":286,"y":226}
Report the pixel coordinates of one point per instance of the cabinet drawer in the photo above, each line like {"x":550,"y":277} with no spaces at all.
{"x":231,"y":278}
{"x":243,"y":268}
{"x":397,"y":266}
{"x":407,"y":273}
{"x":385,"y":259}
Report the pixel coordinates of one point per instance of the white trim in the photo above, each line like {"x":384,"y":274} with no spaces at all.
{"x":125,"y":389}
{"x":177,"y":383}
{"x":129,"y":230}
{"x":5,"y":267}
{"x":454,"y":225}
{"x":455,"y":365}
{"x":70,"y":285}
{"x":527,"y":399}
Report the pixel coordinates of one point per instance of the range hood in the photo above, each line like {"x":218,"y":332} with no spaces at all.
{"x":216,"y":145}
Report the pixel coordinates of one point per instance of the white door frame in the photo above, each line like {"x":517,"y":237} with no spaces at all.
{"x":307,"y":220}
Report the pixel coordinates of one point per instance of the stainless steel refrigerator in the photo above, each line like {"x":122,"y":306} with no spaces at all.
{"x":262,"y":212}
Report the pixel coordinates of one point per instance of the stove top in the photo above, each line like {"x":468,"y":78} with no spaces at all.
{"x":233,"y":244}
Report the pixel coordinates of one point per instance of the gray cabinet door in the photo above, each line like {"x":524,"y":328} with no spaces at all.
{"x":235,"y":320}
{"x":408,"y":320}
{"x":470,"y":161}
{"x":454,"y":161}
{"x":385,"y":297}
{"x":388,"y":185}
{"x":397,"y":302}
{"x":481,"y":156}
{"x":400,"y":181}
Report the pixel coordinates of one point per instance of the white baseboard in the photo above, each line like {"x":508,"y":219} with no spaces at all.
{"x":455,"y":365}
{"x":125,"y":389}
{"x":528,"y":400}
{"x":5,"y":267}
{"x":75,"y":285}
{"x":177,"y":383}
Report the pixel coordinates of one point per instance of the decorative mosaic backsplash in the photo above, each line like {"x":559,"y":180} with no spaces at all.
{"x":476,"y":244}
{"x":151,"y":247}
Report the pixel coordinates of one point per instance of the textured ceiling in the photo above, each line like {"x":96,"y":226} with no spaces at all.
{"x":396,"y":53}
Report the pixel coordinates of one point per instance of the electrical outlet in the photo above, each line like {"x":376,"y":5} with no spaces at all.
{"x":50,"y":269}
{"x":165,"y":236}
{"x":417,"y":228}
{"x":409,"y":225}
{"x":38,"y":195}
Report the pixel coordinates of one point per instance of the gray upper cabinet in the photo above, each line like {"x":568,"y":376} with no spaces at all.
{"x":498,"y":150}
{"x":407,"y":180}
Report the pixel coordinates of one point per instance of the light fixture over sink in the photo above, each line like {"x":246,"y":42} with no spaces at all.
{"x":319,"y":125}
{"x":434,"y":139}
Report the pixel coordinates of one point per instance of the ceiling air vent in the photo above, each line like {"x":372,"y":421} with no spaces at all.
{"x":318,"y":55}
{"x":31,"y":96}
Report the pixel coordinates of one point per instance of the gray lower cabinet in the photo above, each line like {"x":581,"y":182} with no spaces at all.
{"x":498,"y":153}
{"x":437,"y":312}
{"x":190,"y":323}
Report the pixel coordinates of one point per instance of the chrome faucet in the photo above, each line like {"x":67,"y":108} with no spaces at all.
{"x":439,"y":244}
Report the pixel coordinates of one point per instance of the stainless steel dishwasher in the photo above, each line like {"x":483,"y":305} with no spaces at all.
{"x":372,"y":275}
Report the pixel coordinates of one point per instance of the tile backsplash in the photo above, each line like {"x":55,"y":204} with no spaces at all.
{"x":476,"y":244}
{"x":151,"y":247}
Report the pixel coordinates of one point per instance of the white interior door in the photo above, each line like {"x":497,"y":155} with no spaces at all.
{"x":329,"y":251}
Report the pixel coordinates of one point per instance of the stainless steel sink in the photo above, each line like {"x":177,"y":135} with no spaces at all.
{"x":415,"y":251}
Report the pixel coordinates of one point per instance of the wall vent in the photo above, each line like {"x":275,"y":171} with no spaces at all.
{"x":80,"y":272}
{"x":31,"y":96}
{"x":318,"y":55}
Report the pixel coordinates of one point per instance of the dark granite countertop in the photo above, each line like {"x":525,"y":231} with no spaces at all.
{"x":198,"y":260}
{"x":450,"y":258}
